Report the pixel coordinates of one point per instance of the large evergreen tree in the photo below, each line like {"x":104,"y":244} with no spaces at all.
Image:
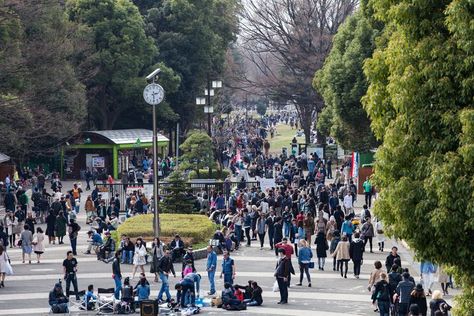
{"x":342,"y":83}
{"x":123,"y":51}
{"x":193,"y":37}
{"x":41,"y":98}
{"x":420,"y":101}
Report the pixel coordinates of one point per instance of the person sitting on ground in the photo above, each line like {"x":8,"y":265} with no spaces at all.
{"x":238,"y":293}
{"x":57,"y":300}
{"x":142,"y":277}
{"x":127,"y":294}
{"x":95,"y":240}
{"x":143,"y":290}
{"x":248,"y":289}
{"x":256,"y":299}
{"x":228,"y":297}
{"x":90,"y":298}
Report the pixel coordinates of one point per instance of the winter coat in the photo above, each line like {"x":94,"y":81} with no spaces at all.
{"x":356,"y":250}
{"x":321,"y":245}
{"x":342,"y":251}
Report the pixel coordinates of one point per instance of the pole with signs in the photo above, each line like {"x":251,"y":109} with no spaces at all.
{"x":153,"y":95}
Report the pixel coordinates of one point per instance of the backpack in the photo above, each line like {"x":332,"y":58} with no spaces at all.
{"x":384,"y":294}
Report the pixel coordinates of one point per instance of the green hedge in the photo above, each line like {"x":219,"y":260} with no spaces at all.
{"x":204,"y":174}
{"x":197,"y":228}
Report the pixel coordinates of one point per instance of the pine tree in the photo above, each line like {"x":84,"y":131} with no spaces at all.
{"x":175,"y":200}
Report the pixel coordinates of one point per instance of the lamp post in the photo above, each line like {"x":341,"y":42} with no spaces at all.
{"x":153,"y":95}
{"x":208,"y":108}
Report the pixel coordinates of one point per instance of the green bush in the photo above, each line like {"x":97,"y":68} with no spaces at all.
{"x":196,"y":228}
{"x":204,"y":174}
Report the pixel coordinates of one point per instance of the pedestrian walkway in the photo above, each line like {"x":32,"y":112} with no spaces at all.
{"x":329,"y":295}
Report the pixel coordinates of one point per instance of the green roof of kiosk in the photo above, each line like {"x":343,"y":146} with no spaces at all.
{"x":129,"y":136}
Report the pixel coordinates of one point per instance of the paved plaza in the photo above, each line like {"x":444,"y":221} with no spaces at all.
{"x":26,"y":292}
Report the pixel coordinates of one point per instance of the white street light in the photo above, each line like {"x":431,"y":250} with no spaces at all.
{"x":200,"y":101}
{"x":216,"y":84}
{"x":211,"y":91}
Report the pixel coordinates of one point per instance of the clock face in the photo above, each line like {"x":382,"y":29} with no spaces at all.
{"x":153,"y":94}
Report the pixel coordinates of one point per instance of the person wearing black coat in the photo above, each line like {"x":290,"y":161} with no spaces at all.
{"x":418,"y":297}
{"x":339,"y":217}
{"x":391,"y":258}
{"x":50,"y":225}
{"x":278,"y":234}
{"x":321,"y":249}
{"x":356,"y":252}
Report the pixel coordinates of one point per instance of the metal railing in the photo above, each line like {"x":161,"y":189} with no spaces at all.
{"x":108,"y":191}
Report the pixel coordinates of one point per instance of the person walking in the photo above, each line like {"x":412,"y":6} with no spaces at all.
{"x":165,"y":268}
{"x":418,"y":297}
{"x":261,"y":229}
{"x":278,"y":235}
{"x":393,"y":255}
{"x":117,"y":274}
{"x":211,"y":265}
{"x":282,"y":273}
{"x":270,"y":221}
{"x":228,"y":268}
{"x":367,"y":192}
{"x":403,"y":291}
{"x":304,"y":259}
{"x":139,"y":260}
{"x":38,"y":246}
{"x":437,"y":304}
{"x":380,"y":234}
{"x":356,"y":251}
{"x":341,"y":253}
{"x":26,"y":239}
{"x":50,"y":227}
{"x":73,"y":231}
{"x":247,"y":226}
{"x":381,"y":295}
{"x":443,"y":279}
{"x":308,"y":226}
{"x":60,"y":227}
{"x":157,"y":253}
{"x":321,"y":249}
{"x":332,"y":248}
{"x":70,"y":274}
{"x":427,"y":271}
{"x":367,"y":231}
{"x":11,"y":224}
{"x":4,"y":261}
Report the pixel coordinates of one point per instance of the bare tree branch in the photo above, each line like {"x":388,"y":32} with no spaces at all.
{"x":287,"y":41}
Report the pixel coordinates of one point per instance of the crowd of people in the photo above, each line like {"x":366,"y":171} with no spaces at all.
{"x":306,"y":206}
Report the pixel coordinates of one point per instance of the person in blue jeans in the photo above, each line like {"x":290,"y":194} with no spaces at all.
{"x":164,"y":269}
{"x":382,"y":295}
{"x":187,"y":289}
{"x":128,"y":249}
{"x":211,"y":268}
{"x":228,"y":268}
{"x":117,"y":274}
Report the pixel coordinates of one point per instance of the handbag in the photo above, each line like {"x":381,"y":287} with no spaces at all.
{"x":276,"y":288}
{"x":8,"y":268}
{"x":311,"y":265}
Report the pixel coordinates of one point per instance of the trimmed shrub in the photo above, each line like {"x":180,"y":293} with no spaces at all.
{"x":193,"y":228}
